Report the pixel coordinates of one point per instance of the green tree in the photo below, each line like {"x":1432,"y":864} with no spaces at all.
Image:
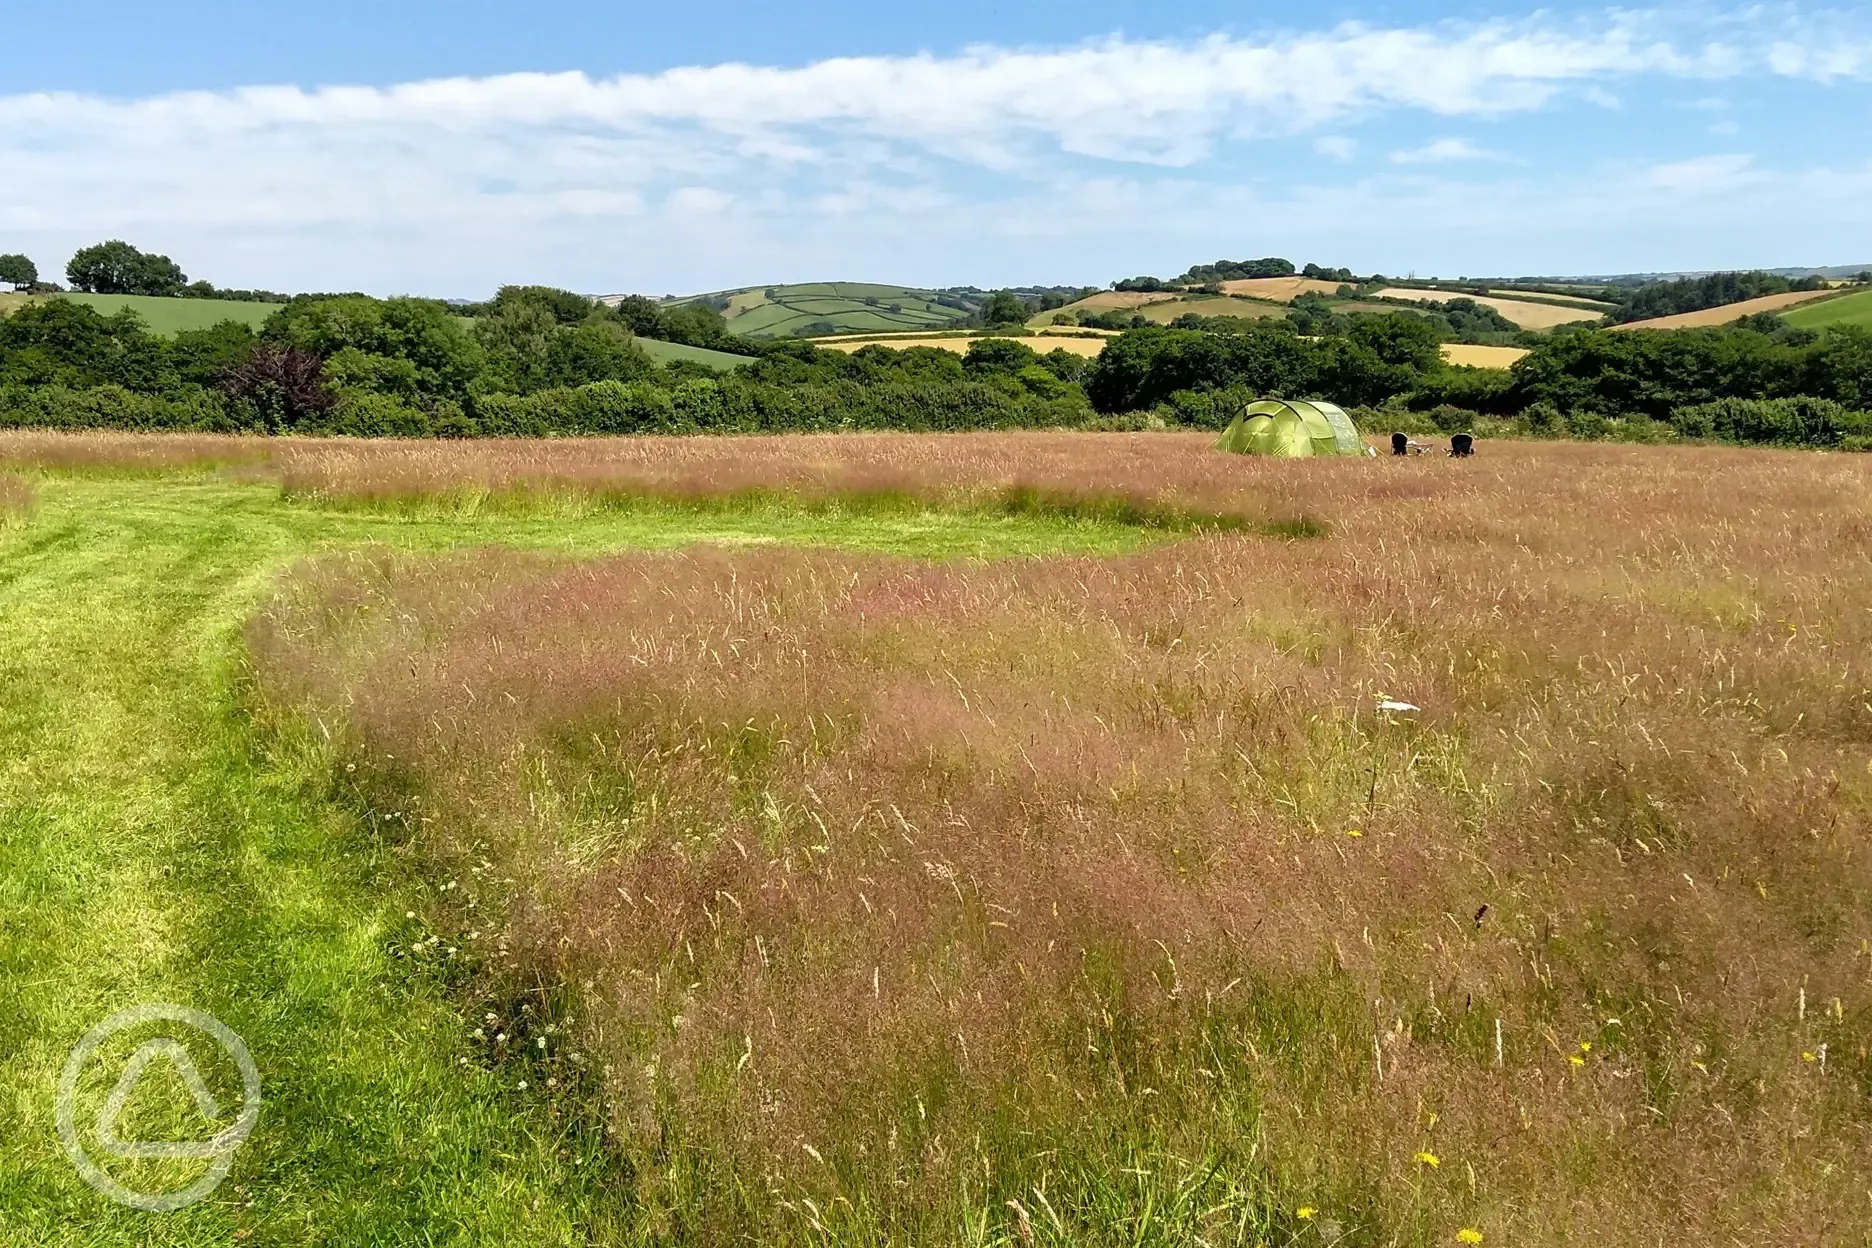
{"x":117,"y":268}
{"x":203,"y":356}
{"x":1400,"y":339}
{"x":1004,"y":307}
{"x":424,"y":332}
{"x":566,"y":307}
{"x":597,"y":350}
{"x":18,"y":270}
{"x":988,"y":356}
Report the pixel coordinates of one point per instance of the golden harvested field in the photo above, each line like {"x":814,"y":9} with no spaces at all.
{"x":1730,"y":312}
{"x":1482,"y":357}
{"x":1279,"y":289}
{"x":1526,"y":313}
{"x":1455,"y":353}
{"x":1099,"y":900}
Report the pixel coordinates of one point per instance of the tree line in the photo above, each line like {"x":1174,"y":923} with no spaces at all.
{"x":540,"y":360}
{"x":1696,"y":294}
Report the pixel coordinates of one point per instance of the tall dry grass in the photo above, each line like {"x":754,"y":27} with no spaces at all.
{"x":1153,"y":473}
{"x":1079,"y":901}
{"x":17,"y":497}
{"x":102,"y":449}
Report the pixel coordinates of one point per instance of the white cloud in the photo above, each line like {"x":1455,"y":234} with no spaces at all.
{"x":1441,"y":152}
{"x":1704,"y":173}
{"x":690,"y":176}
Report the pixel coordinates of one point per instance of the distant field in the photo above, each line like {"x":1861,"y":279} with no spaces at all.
{"x":1091,"y":348}
{"x":1527,"y":313}
{"x":849,"y":307}
{"x":1482,"y":357}
{"x":1853,"y":309}
{"x":1729,"y":311}
{"x":168,"y":316}
{"x":1105,"y":301}
{"x":1280,"y":289}
{"x":669,"y":352}
{"x":1209,"y":305}
{"x":1088,"y":347}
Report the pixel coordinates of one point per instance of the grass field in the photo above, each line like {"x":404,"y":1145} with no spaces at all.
{"x":848,"y":307}
{"x":155,"y":844}
{"x":847,"y":881}
{"x":166,"y":316}
{"x":1723,"y":315}
{"x":1090,"y":347}
{"x":1849,"y":309}
{"x":669,"y":352}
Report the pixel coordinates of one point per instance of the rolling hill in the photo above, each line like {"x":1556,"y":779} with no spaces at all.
{"x":1729,"y":312}
{"x":835,"y":307}
{"x":1527,"y":313}
{"x":1852,"y":309}
{"x":168,"y":316}
{"x":670,"y":352}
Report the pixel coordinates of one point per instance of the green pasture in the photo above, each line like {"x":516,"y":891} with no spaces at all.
{"x":157,"y":845}
{"x":850,"y":307}
{"x":1849,"y":309}
{"x":170,"y":316}
{"x":669,"y":352}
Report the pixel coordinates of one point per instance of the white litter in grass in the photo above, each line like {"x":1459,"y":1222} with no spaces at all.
{"x":1389,"y":705}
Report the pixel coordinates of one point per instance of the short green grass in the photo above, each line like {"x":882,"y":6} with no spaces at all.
{"x":670,"y":352}
{"x":156,"y":846}
{"x":169,"y":316}
{"x":1849,"y":309}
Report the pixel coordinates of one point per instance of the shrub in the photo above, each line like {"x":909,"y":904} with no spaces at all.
{"x":1799,"y":421}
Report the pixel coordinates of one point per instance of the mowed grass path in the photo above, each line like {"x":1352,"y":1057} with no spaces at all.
{"x":155,"y":847}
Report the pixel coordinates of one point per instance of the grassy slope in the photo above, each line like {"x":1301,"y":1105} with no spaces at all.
{"x":791,"y":308}
{"x":1853,"y":309}
{"x":152,"y":849}
{"x":167,"y":316}
{"x":668,"y":352}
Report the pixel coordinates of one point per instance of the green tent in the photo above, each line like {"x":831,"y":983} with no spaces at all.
{"x":1291,"y":429}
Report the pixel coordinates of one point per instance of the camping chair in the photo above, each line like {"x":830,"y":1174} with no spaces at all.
{"x":1400,"y":444}
{"x":1461,"y":445}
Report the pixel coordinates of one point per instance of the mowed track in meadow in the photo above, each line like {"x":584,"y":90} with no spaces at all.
{"x":156,"y":846}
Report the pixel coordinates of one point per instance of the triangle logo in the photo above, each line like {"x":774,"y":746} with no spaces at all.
{"x":134,"y":1070}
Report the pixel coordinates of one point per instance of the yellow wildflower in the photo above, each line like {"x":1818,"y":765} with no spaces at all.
{"x":1353,"y":832}
{"x":1577,"y":1060}
{"x":1808,"y":1057}
{"x":1585,"y":1046}
{"x":1468,"y":1235}
{"x":1305,"y":1213}
{"x":1430,"y":1159}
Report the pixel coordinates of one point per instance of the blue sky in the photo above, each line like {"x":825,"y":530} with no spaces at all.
{"x":445,"y":148}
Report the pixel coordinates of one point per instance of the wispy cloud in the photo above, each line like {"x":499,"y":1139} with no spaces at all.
{"x":1442,"y":152}
{"x":415,"y":182}
{"x":1704,"y":173}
